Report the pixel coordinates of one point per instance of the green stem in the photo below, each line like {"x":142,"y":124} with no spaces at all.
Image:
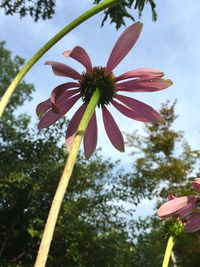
{"x":170,"y":244}
{"x":64,"y":180}
{"x":93,"y":11}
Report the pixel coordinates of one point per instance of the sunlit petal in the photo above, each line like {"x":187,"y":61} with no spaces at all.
{"x":123,"y":45}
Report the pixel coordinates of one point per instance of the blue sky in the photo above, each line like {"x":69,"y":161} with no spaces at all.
{"x":171,"y":45}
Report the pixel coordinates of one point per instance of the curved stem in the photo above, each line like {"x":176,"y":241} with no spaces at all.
{"x":10,"y":90}
{"x":64,"y":180}
{"x":170,"y":244}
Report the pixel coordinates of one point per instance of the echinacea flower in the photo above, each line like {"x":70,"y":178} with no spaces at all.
{"x":184,"y":208}
{"x":64,"y":96}
{"x":180,"y":206}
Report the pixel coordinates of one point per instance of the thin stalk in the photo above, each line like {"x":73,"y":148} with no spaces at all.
{"x":173,"y":258}
{"x":64,"y":180}
{"x":93,"y":11}
{"x":169,"y":247}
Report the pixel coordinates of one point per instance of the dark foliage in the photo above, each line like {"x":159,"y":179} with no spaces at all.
{"x":45,"y":9}
{"x":42,"y":9}
{"x":124,"y":9}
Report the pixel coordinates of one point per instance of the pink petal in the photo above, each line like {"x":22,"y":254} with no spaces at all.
{"x":172,"y":206}
{"x":196,"y":184}
{"x":128,"y":112}
{"x":193,"y":223}
{"x":50,"y":117}
{"x":112,"y":130}
{"x":123,"y":45}
{"x":61,"y":69}
{"x":59,"y":90}
{"x":79,"y":54}
{"x":57,"y":106}
{"x":90,"y":137}
{"x":139,"y":73}
{"x":43,"y":107}
{"x":187,"y":210}
{"x":139,"y":85}
{"x":73,"y":126}
{"x":141,"y":108}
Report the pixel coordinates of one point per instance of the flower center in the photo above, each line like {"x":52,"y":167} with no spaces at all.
{"x":98,"y":79}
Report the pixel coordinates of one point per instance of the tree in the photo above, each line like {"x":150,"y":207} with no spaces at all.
{"x":163,"y":164}
{"x":165,"y":161}
{"x":44,"y":9}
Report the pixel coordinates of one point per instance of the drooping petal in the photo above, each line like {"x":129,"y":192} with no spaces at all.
{"x":61,"y":69}
{"x":193,"y":223}
{"x":123,"y":45}
{"x":60,"y":89}
{"x":141,"y":108}
{"x":187,"y":210}
{"x":79,"y":54}
{"x":139,"y":73}
{"x":57,"y":106}
{"x":73,"y":126}
{"x":128,"y":112}
{"x":43,"y":107}
{"x":170,"y":207}
{"x":112,"y":130}
{"x":50,"y":117}
{"x":196,"y":184}
{"x":149,"y":85}
{"x":90,"y":137}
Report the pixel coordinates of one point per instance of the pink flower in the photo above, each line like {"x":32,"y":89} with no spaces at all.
{"x":185,"y":208}
{"x":181,"y":206}
{"x":64,"y":96}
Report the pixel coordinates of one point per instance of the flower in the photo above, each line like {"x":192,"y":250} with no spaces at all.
{"x":176,"y":206}
{"x":64,"y":96}
{"x":183,"y":208}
